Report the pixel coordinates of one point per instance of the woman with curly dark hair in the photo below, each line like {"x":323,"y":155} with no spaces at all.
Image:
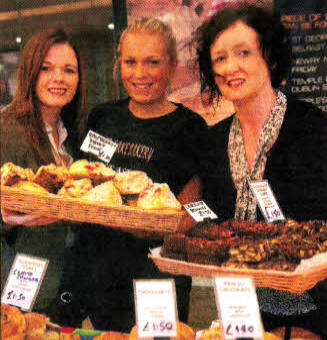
{"x":244,"y":55}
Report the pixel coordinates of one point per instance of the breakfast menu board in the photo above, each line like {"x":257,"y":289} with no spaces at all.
{"x":307,"y":25}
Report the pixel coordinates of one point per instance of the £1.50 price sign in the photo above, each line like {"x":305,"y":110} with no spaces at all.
{"x":23,"y":282}
{"x":155,"y":303}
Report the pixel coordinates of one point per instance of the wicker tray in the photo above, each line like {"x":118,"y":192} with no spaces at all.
{"x":79,"y":210}
{"x":294,"y":282}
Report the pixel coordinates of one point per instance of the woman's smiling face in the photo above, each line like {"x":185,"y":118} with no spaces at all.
{"x":240,"y":70}
{"x":58,"y":78}
{"x":146,"y":68}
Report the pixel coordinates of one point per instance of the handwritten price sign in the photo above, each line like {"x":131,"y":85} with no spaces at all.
{"x":267,"y":201}
{"x":155,"y":303}
{"x":24,"y":281}
{"x":238,"y":307}
{"x":199,"y":211}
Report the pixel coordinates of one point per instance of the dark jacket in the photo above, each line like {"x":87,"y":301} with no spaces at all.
{"x":296,"y":166}
{"x":44,"y":241}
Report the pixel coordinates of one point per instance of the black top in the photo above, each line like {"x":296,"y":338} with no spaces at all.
{"x":296,"y":167}
{"x":167,"y":148}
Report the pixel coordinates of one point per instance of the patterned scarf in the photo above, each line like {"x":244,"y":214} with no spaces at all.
{"x":246,"y":204}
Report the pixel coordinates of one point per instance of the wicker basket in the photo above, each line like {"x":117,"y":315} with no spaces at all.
{"x":79,"y":210}
{"x":294,"y":282}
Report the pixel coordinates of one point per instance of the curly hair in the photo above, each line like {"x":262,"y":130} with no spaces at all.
{"x":273,"y":38}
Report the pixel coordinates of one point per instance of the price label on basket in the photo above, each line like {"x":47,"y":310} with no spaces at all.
{"x":24,"y":281}
{"x":155,"y":305}
{"x":199,"y":211}
{"x":238,"y":307}
{"x":98,"y":145}
{"x":267,"y":201}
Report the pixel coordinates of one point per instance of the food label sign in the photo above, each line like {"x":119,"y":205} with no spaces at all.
{"x":155,"y":304}
{"x":238,"y":307}
{"x":199,"y":211}
{"x":104,"y":148}
{"x":24,"y":281}
{"x":267,"y":201}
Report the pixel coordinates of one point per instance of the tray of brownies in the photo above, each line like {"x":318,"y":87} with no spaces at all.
{"x":94,"y":193}
{"x":288,"y":255}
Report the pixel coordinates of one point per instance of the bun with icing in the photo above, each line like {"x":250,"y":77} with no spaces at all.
{"x":75,"y":187}
{"x":158,"y":196}
{"x":96,"y":171}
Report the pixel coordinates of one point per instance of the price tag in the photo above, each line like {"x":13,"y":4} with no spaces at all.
{"x":24,"y":281}
{"x":238,"y":307}
{"x":267,"y":201}
{"x":199,"y":211}
{"x":104,"y":148}
{"x":155,"y":304}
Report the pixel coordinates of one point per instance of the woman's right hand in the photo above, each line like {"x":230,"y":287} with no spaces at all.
{"x":13,"y":218}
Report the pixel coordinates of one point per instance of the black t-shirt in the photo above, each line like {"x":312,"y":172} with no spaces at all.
{"x":167,"y":148}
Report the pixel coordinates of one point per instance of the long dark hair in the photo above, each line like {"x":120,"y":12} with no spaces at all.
{"x":273,"y":37}
{"x":23,"y":105}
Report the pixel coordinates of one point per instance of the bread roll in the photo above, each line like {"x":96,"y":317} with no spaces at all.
{"x":105,"y":193}
{"x":131,"y":182}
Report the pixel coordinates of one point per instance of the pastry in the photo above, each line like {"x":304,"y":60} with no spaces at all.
{"x":131,"y":182}
{"x":13,"y":323}
{"x":111,"y":336}
{"x":11,"y":174}
{"x":29,"y":186}
{"x":75,"y":187}
{"x":105,"y":193}
{"x":36,"y":325}
{"x":96,"y":171}
{"x":158,"y":196}
{"x":51,"y":177}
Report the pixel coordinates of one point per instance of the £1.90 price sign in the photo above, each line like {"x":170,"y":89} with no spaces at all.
{"x":238,"y":307}
{"x":155,"y":304}
{"x":267,"y":201}
{"x":23,"y":282}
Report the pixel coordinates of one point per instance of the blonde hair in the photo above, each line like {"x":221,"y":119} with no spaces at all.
{"x":155,"y":26}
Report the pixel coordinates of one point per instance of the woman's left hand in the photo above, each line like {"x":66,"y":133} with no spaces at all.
{"x":13,"y":218}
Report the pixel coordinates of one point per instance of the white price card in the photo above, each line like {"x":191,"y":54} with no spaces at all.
{"x":98,"y":145}
{"x":24,"y":281}
{"x":238,"y":307}
{"x":155,"y":305}
{"x":267,"y":201}
{"x":199,"y":211}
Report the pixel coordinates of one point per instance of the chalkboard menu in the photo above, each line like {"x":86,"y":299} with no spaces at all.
{"x":306,"y":21}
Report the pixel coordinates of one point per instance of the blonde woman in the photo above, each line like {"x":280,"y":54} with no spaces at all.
{"x":154,"y":135}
